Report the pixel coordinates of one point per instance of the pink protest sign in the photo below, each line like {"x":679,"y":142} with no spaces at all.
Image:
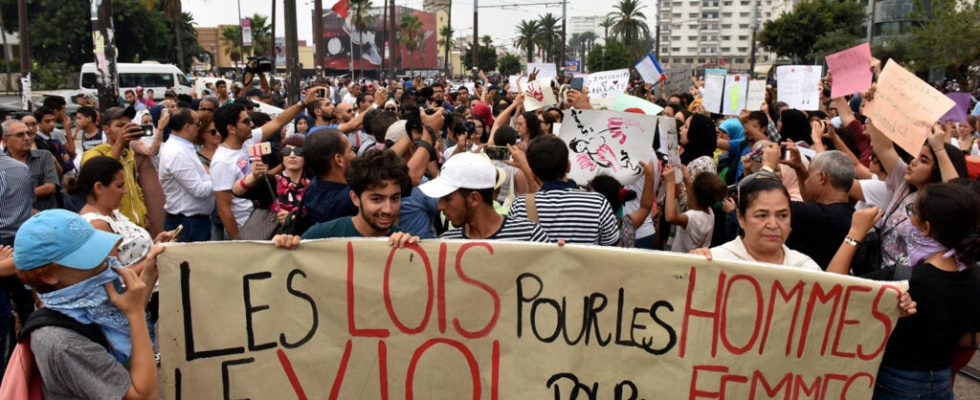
{"x":851,"y":70}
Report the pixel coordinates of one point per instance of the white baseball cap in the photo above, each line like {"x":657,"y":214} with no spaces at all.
{"x":462,"y":171}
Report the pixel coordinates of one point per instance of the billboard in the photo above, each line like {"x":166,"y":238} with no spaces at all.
{"x":340,"y":37}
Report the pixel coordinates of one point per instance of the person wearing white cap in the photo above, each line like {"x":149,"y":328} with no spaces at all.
{"x":465,"y":191}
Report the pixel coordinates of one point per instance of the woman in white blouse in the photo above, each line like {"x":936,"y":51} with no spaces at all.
{"x":102,"y":183}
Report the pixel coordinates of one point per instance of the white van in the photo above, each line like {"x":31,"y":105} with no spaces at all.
{"x":148,"y":74}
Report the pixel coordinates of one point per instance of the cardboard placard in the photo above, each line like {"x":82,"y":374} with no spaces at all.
{"x":356,"y":319}
{"x":799,"y":86}
{"x":736,"y":91}
{"x":960,"y":109}
{"x":714,"y":89}
{"x":851,"y":70}
{"x":545,"y":70}
{"x":607,"y":142}
{"x":668,"y":134}
{"x":678,"y":80}
{"x":605,"y":86}
{"x":626,"y":102}
{"x":757,"y":95}
{"x":905,"y":107}
{"x":538,"y":94}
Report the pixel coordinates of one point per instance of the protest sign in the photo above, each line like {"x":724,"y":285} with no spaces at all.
{"x":538,"y":94}
{"x":513,"y":83}
{"x":851,"y":70}
{"x":678,"y":80}
{"x":715,"y":71}
{"x":736,"y":90}
{"x":649,"y":69}
{"x":605,"y":86}
{"x":905,"y":107}
{"x":626,"y":102}
{"x":757,"y":95}
{"x":356,"y":319}
{"x":799,"y":86}
{"x":607,"y":142}
{"x":668,"y":134}
{"x":545,"y":70}
{"x":714,"y":89}
{"x":960,"y":109}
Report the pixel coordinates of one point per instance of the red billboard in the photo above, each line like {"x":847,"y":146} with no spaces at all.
{"x":340,"y":37}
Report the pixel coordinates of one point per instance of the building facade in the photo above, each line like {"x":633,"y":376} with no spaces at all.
{"x":582,"y":24}
{"x":714,"y":33}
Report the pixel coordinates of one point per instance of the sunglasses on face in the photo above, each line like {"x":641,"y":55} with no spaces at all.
{"x":214,"y":132}
{"x":208,"y":109}
{"x":292,"y":151}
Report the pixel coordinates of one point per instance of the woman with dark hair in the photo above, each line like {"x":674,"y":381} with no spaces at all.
{"x":764,"y":215}
{"x":699,"y":138}
{"x":102,"y":183}
{"x":528,"y":126}
{"x":617,"y":196}
{"x":282,"y":192}
{"x":943,"y":250}
{"x":794,"y":125}
{"x":302,"y":124}
{"x":937,"y":162}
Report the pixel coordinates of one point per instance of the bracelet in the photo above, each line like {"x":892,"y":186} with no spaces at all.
{"x":940,"y":150}
{"x":246,"y":186}
{"x":850,"y":241}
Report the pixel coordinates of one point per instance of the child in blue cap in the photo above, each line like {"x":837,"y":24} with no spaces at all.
{"x":67,"y":262}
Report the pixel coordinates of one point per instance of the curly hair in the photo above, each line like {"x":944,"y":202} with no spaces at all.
{"x":374,"y":168}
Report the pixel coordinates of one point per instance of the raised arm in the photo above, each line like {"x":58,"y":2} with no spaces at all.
{"x":648,"y":196}
{"x":287,"y":115}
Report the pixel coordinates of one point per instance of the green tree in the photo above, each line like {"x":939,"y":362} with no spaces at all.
{"x":508,"y":65}
{"x":949,"y":39}
{"x":549,"y":36}
{"x":527,"y":36}
{"x":630,"y":25}
{"x":486,"y":54}
{"x":361,"y":18}
{"x":410,"y":32}
{"x":614,"y":55}
{"x":607,"y":23}
{"x":446,"y":41}
{"x":231,"y":36}
{"x":797,"y":33}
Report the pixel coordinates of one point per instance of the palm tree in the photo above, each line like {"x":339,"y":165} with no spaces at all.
{"x":575,"y":45}
{"x":589,"y":38}
{"x":410,"y":31}
{"x":360,"y":19}
{"x":231,"y":37}
{"x":446,"y":41}
{"x":549,"y":35}
{"x":606,"y":23}
{"x":527,"y":34}
{"x":631,"y":25}
{"x":172,"y":9}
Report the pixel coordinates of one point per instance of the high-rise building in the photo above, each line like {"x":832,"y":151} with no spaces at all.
{"x":713,"y":33}
{"x":582,"y":24}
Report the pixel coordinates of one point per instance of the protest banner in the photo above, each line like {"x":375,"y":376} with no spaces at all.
{"x":757,"y":95}
{"x":714,"y":90}
{"x":356,"y":319}
{"x":799,"y":86}
{"x":904,"y":107}
{"x":628,"y":103}
{"x":960,"y":109}
{"x":538,"y":94}
{"x":605,"y":86}
{"x":607,"y":142}
{"x":678,"y":80}
{"x":736,"y":90}
{"x":851,"y":70}
{"x":649,"y":69}
{"x":545,"y":70}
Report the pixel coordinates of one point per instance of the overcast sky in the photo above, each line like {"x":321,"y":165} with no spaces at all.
{"x":501,"y":24}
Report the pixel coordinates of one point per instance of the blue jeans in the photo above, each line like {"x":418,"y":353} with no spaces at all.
{"x":902,"y":384}
{"x":196,"y":228}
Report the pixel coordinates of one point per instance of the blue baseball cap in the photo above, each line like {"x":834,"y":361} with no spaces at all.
{"x":61,"y":237}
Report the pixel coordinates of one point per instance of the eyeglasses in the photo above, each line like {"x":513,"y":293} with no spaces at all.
{"x":208,"y":109}
{"x":21,"y":135}
{"x":292,"y":151}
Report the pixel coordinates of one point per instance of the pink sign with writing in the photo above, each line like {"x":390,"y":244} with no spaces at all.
{"x":851,"y":70}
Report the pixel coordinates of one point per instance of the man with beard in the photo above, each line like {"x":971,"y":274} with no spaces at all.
{"x":376,"y":182}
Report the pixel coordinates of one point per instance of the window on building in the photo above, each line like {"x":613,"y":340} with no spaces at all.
{"x":700,"y":61}
{"x":739,"y":60}
{"x":693,"y":15}
{"x":744,"y":14}
{"x":726,"y":38}
{"x":675,"y":49}
{"x":692,"y":49}
{"x":744,"y":3}
{"x":676,"y":15}
{"x":726,"y":26}
{"x":743,"y":26}
{"x":675,"y":38}
{"x":726,"y":15}
{"x":726,"y":49}
{"x":692,"y":38}
{"x":726,"y":3}
{"x":743,"y":49}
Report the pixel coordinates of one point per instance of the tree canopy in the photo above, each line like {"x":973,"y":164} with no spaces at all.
{"x":814,"y":28}
{"x":614,"y":55}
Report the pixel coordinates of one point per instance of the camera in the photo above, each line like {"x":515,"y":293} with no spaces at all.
{"x":261,"y":65}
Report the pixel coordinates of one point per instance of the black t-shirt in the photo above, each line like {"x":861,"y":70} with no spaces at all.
{"x":946,"y":308}
{"x":819,"y":229}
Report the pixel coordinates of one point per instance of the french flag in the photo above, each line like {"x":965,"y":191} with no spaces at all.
{"x":650,"y":69}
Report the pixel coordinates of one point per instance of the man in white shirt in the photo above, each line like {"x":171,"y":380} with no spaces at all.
{"x":230,"y":164}
{"x":352,"y":92}
{"x":186,"y":185}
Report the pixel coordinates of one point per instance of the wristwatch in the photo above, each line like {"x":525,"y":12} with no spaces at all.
{"x":850,"y":241}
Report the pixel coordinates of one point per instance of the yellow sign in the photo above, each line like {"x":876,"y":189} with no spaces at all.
{"x":339,"y":319}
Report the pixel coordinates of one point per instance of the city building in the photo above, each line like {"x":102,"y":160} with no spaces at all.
{"x":713,"y":33}
{"x":441,"y":9}
{"x":582,"y":24}
{"x":209,"y":38}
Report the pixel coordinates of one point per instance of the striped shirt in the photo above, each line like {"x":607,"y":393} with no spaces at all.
{"x":572,"y":215}
{"x":16,"y":196}
{"x":512,"y":229}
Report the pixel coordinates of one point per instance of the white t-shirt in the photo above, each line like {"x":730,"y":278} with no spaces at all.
{"x":647,"y":229}
{"x":876,"y":194}
{"x":700,"y":226}
{"x":229,"y":166}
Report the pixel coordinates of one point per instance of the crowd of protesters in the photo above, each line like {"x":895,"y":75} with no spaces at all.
{"x":90,"y":203}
